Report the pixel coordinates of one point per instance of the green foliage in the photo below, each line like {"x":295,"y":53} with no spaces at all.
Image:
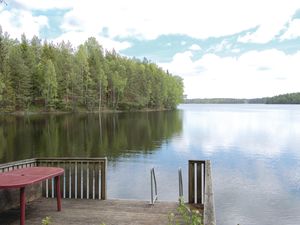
{"x":2,"y":86}
{"x":187,"y":216}
{"x":57,"y":77}
{"x":46,"y":220}
{"x":50,"y":85}
{"x":292,"y":98}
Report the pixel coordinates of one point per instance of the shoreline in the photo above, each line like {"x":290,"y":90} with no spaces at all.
{"x":57,"y":112}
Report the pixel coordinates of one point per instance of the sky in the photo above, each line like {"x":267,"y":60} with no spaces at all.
{"x":221,"y":48}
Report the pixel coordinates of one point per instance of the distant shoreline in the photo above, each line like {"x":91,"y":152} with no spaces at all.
{"x":240,"y":103}
{"x":290,"y":98}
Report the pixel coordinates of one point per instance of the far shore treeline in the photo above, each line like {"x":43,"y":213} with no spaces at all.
{"x":291,"y":98}
{"x":36,"y":76}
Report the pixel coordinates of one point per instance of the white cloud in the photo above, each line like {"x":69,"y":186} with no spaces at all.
{"x":221,"y":131}
{"x":16,"y":22}
{"x":182,"y":64}
{"x":193,"y":18}
{"x":197,"y":19}
{"x":253,"y":74}
{"x":19,"y":21}
{"x":236,"y":50}
{"x":224,"y":45}
{"x":194,"y":47}
{"x":293,"y":30}
{"x":41,"y":5}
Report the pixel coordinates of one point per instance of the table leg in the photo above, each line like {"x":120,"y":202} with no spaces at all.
{"x":58,"y":194}
{"x":22,"y":205}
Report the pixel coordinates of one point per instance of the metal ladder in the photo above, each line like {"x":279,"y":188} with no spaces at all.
{"x":154,"y":196}
{"x":180,"y":193}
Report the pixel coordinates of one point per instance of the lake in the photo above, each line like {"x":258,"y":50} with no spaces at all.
{"x":254,"y":149}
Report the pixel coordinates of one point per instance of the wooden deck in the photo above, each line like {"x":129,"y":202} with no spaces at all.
{"x":92,"y":212}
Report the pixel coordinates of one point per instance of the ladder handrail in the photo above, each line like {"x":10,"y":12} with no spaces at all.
{"x":180,"y":193}
{"x":153,"y":180}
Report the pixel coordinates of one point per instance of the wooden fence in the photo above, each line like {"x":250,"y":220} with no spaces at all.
{"x":200,"y":188}
{"x":83,"y":177}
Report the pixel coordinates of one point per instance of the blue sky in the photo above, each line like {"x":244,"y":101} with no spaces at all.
{"x":220,"y":48}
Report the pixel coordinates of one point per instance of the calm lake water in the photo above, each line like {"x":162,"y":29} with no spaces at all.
{"x":254,"y":149}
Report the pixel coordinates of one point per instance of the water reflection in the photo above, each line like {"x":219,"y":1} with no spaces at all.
{"x":255,"y":154}
{"x":254,"y":151}
{"x":111,"y":134}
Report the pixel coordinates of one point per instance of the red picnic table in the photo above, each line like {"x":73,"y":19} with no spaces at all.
{"x":20,"y":178}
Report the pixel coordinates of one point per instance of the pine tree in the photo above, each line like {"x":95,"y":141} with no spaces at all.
{"x":96,"y":68}
{"x":50,"y":86}
{"x":84,"y":77}
{"x":65,"y":72}
{"x":20,"y":78}
{"x":36,"y":48}
{"x":2,"y":86}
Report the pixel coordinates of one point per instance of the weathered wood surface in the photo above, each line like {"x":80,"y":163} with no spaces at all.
{"x":191,"y":183}
{"x":93,"y":212}
{"x":209,"y":208}
{"x":196,"y":181}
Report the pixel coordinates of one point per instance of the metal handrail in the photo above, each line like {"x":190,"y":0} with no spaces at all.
{"x":153,"y":180}
{"x":180,"y":184}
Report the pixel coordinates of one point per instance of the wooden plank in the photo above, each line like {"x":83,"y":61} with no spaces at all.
{"x":81,"y":181}
{"x":64,"y":181}
{"x":86,"y":183}
{"x":199,"y":183}
{"x":209,"y":208}
{"x":76,"y":181}
{"x":97,"y":186}
{"x":78,"y":212}
{"x":70,"y":180}
{"x":103,"y":180}
{"x":191,"y":182}
{"x":17,"y":163}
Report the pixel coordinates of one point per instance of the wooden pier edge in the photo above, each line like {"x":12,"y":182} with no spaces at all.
{"x":209,"y":217}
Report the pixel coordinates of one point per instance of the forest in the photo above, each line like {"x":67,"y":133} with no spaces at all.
{"x":39,"y":76}
{"x":290,"y":98}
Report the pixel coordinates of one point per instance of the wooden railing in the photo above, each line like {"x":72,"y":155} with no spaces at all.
{"x":200,"y":188}
{"x":18,"y":164}
{"x":83,"y":177}
{"x":196,"y":181}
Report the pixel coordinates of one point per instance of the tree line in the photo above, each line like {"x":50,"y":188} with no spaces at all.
{"x":290,"y":98}
{"x":48,"y":76}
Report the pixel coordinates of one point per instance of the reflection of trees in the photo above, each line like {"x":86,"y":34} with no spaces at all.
{"x":108,"y":134}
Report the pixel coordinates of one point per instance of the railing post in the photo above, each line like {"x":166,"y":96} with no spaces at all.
{"x":191,"y":182}
{"x":103,"y":179}
{"x":196,"y":181}
{"x":209,"y":217}
{"x":199,"y":183}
